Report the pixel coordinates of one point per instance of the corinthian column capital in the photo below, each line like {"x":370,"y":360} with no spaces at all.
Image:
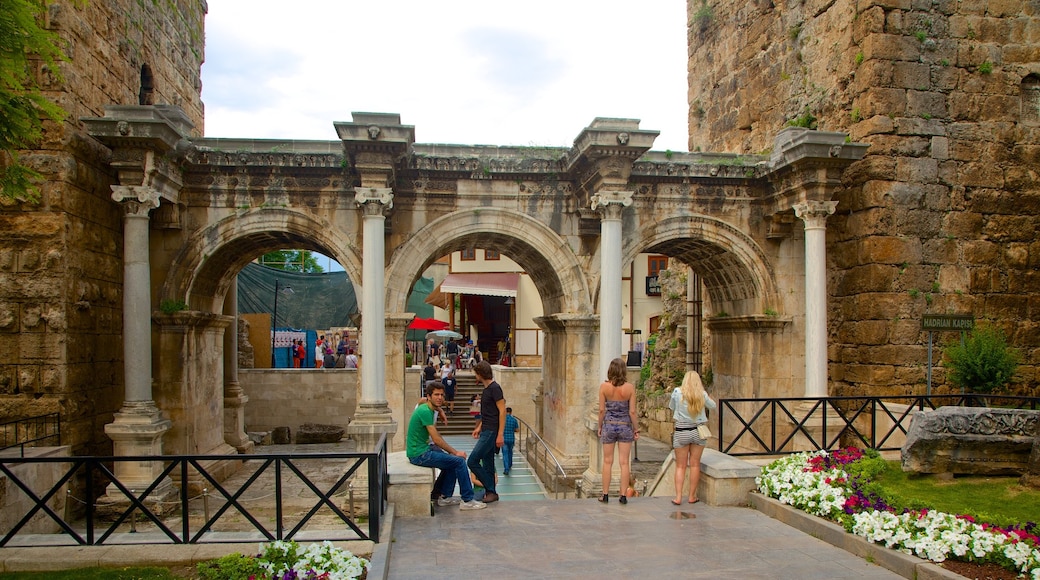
{"x":136,"y":199}
{"x":611,"y":202}
{"x":374,"y":197}
{"x":815,"y":213}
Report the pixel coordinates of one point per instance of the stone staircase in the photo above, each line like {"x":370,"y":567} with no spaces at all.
{"x":461,"y":423}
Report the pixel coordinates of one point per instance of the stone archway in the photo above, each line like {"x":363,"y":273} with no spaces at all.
{"x":751,"y":324}
{"x":195,"y":361}
{"x":206,"y":266}
{"x":736,"y":272}
{"x":568,"y":370}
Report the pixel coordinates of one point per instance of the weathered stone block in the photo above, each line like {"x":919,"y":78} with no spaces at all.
{"x":281,"y":436}
{"x":969,"y":440}
{"x":315,"y":433}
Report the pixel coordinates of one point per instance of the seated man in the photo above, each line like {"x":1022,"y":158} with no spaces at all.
{"x":422,"y":429}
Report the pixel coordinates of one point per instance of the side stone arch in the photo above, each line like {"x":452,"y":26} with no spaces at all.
{"x":207,"y":263}
{"x":736,"y":272}
{"x":540,"y":251}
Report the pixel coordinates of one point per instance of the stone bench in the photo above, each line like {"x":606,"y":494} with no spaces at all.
{"x":725,"y":480}
{"x":410,"y":486}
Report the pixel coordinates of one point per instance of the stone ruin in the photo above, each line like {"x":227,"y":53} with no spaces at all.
{"x":972,"y":441}
{"x":316,"y":433}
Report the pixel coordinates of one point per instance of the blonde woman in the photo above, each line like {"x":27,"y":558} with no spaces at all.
{"x":617,"y":424}
{"x":688,"y":404}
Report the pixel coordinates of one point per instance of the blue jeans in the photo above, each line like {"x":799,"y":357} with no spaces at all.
{"x":507,"y":456}
{"x":482,"y":460}
{"x":453,"y":465}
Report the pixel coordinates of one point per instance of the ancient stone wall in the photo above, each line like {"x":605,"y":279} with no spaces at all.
{"x":942,"y":215}
{"x":61,"y":265}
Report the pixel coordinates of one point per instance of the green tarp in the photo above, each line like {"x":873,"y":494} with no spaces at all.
{"x":317,"y":301}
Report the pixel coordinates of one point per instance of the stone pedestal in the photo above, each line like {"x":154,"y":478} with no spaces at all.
{"x":235,"y":421}
{"x":371,"y":422}
{"x":137,"y":431}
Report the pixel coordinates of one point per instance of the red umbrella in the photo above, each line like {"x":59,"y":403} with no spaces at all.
{"x":427,"y":324}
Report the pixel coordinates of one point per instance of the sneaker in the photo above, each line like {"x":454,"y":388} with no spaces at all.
{"x":490,"y":497}
{"x":445,"y":501}
{"x":506,"y":472}
{"x":472,"y":505}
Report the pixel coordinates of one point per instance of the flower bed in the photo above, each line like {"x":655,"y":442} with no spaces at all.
{"x":281,"y":560}
{"x":831,"y":485}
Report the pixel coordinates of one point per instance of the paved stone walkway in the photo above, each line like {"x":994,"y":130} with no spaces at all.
{"x":648,"y":538}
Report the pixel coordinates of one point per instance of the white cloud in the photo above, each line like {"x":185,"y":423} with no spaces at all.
{"x":463,"y":71}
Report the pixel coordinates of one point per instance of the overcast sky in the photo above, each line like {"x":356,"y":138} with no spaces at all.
{"x":466,"y":72}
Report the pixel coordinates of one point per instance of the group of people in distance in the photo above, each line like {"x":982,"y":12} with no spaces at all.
{"x":618,"y":426}
{"x":462,"y":354}
{"x":329,"y":356}
{"x":426,"y":447}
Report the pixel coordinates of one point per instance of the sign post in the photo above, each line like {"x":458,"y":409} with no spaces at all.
{"x":943,"y":323}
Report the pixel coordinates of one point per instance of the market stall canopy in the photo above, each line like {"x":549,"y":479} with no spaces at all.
{"x":427,"y":324}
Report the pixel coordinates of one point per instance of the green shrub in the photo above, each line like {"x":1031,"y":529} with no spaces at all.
{"x":230,"y":566}
{"x":171,"y":306}
{"x":983,"y":363}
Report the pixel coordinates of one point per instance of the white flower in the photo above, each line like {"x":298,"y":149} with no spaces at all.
{"x":932,"y":535}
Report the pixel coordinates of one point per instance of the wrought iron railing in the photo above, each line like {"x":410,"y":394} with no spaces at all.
{"x":541,"y":456}
{"x":791,"y":425}
{"x":195,"y":522}
{"x":31,"y":432}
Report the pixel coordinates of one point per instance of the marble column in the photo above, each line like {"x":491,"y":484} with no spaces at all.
{"x":373,"y":416}
{"x":610,"y":204}
{"x":234,"y":399}
{"x":139,"y":425}
{"x":814,"y":214}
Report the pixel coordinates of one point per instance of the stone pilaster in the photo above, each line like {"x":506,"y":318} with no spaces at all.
{"x":815,"y":213}
{"x":610,"y":203}
{"x":373,"y":416}
{"x":234,"y":399}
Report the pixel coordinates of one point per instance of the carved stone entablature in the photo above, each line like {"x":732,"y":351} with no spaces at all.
{"x":205,"y":155}
{"x":147,"y":142}
{"x":423,"y":184}
{"x":793,"y":144}
{"x":970,"y":440}
{"x":546,"y":189}
{"x":983,"y":422}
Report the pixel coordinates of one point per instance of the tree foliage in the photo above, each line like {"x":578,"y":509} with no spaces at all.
{"x":983,"y":362}
{"x":27,"y":51}
{"x":302,"y":261}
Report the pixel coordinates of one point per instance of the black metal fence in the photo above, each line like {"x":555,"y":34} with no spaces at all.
{"x":31,"y":432}
{"x":196,"y":523}
{"x":791,"y":425}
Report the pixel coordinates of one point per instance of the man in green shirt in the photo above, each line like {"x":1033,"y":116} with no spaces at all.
{"x":422,"y":429}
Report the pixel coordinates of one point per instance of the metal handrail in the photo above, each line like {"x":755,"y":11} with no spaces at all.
{"x":526,"y":433}
{"x":22,"y":432}
{"x":96,"y":472}
{"x":837,"y":416}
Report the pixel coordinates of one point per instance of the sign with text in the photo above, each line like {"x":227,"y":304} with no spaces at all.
{"x":653,"y":286}
{"x":941,"y":322}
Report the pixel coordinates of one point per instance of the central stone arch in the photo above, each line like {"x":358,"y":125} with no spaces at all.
{"x":569,"y":365}
{"x":554,"y":268}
